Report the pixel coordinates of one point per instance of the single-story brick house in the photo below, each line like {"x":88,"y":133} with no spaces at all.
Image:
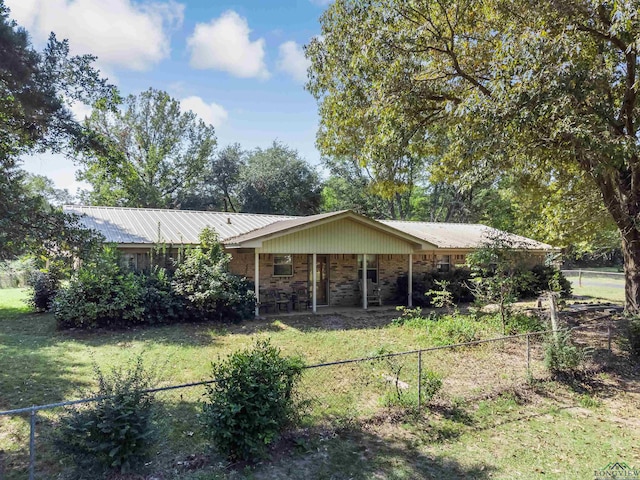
{"x":327,"y":251}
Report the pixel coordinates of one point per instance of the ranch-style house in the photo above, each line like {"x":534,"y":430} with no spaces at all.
{"x":305,"y":262}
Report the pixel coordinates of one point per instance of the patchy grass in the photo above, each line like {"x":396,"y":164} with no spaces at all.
{"x":486,"y":423}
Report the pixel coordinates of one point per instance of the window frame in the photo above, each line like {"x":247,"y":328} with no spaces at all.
{"x":440,"y":263}
{"x":277,"y":264}
{"x":362,"y":259}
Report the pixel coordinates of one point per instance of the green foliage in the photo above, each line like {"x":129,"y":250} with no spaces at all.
{"x":561,"y":356}
{"x":154,"y":153}
{"x":161,"y":303}
{"x":541,"y":278}
{"x":277,"y":180}
{"x":541,"y":93}
{"x":442,"y":329}
{"x":454,"y":328}
{"x":458,"y":281}
{"x":44,"y":287}
{"x":442,"y":297}
{"x":115,"y":432}
{"x":203,"y":279}
{"x":34,"y":117}
{"x":101,"y":294}
{"x":252,"y":401}
{"x":523,"y":323}
{"x":632,"y":337}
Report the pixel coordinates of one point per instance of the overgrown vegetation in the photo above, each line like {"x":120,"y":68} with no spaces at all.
{"x":115,"y":432}
{"x":252,"y":401}
{"x":632,"y":340}
{"x":44,"y":286}
{"x":561,"y":356}
{"x":104,"y":293}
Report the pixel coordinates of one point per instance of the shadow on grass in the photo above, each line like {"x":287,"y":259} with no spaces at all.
{"x":363,"y":453}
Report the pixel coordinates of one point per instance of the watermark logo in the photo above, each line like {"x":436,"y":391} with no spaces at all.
{"x":617,"y":470}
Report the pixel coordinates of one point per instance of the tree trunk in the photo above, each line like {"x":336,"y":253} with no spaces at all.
{"x":631,"y":253}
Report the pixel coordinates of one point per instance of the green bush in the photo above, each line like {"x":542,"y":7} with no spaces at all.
{"x":44,"y":286}
{"x":252,"y":401}
{"x":162,"y":304}
{"x":116,"y":432}
{"x":204,"y":281}
{"x":101,"y":294}
{"x":540,"y":278}
{"x":561,"y":356}
{"x":523,"y":323}
{"x":457,"y":286}
{"x":632,"y":338}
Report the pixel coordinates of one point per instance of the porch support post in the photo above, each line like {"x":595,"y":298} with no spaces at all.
{"x":410,"y":281}
{"x":364,"y":281}
{"x":314,"y":270}
{"x":256,"y":281}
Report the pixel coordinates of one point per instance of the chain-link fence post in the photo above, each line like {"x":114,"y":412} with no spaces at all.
{"x":528,"y":356}
{"x":419,"y":379}
{"x":609,"y":334}
{"x":32,"y":445}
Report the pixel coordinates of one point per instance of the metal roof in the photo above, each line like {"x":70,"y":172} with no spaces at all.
{"x":462,"y":235}
{"x":150,"y":225}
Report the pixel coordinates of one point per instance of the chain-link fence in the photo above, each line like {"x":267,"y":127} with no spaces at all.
{"x":334,"y":392}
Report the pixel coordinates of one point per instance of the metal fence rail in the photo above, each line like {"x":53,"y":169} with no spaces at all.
{"x":346,"y":387}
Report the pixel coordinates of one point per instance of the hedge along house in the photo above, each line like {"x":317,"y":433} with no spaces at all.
{"x":326,"y":255}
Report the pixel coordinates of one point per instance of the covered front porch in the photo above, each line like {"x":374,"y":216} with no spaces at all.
{"x":322,"y":261}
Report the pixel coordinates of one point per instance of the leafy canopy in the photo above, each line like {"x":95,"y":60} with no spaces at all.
{"x":155,"y":153}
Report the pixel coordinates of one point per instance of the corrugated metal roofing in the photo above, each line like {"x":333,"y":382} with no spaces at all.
{"x":461,"y":235}
{"x":150,"y":225}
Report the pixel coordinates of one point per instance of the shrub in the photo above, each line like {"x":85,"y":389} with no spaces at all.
{"x":161,"y":303}
{"x":252,"y":401}
{"x":101,"y":294}
{"x":632,"y":338}
{"x":114,"y":433}
{"x":560,"y":355}
{"x":204,"y":281}
{"x":457,"y":286}
{"x":44,"y":287}
{"x":540,"y":278}
{"x":523,"y":323}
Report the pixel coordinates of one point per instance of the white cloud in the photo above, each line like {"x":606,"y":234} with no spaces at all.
{"x":211,"y":113}
{"x":80,"y":110}
{"x":224,"y":44}
{"x":120,"y":33}
{"x":292,"y":61}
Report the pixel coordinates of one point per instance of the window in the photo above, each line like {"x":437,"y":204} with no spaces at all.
{"x":372,"y":267}
{"x":444,"y":263}
{"x":282,"y":265}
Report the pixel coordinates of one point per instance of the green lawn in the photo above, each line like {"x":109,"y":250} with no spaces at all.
{"x":488,"y":424}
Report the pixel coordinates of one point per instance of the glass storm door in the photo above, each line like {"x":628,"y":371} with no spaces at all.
{"x":322,"y":279}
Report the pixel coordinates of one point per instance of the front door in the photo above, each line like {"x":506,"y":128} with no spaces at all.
{"x":322,"y":279}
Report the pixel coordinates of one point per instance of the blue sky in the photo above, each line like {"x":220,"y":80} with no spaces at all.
{"x":237,"y":64}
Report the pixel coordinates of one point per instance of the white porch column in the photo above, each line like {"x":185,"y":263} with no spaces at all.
{"x":364,"y":281}
{"x":410,"y":281}
{"x":256,"y":278}
{"x":314,"y":273}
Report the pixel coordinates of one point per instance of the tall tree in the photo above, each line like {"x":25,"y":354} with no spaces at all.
{"x":34,"y":117}
{"x":277,"y":180}
{"x":156,"y":154}
{"x":351,"y":187}
{"x":542,"y":90}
